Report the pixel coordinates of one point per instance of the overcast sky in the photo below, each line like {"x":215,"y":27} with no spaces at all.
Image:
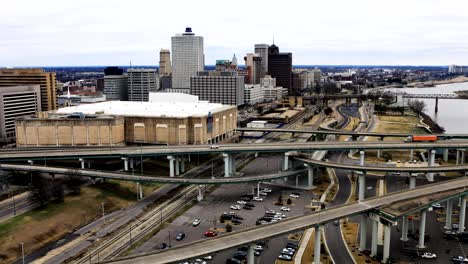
{"x":104,"y":32}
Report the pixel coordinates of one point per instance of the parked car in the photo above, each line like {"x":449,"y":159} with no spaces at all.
{"x":284,"y":257}
{"x":428,"y":255}
{"x":285,"y":209}
{"x":292,"y":195}
{"x":296,"y":193}
{"x":209,"y":257}
{"x":196,"y":222}
{"x":162,"y":246}
{"x":235,"y":221}
{"x":258,"y":248}
{"x":240,"y":255}
{"x":270,"y":212}
{"x":237,"y":217}
{"x":437,"y":206}
{"x":257,"y":199}
{"x":210,"y":234}
{"x":214,"y":147}
{"x":233,"y":261}
{"x":266,"y":190}
{"x":336,"y":222}
{"x":180,"y":236}
{"x":241,"y":202}
{"x":235,"y":207}
{"x":247,"y":199}
{"x":247,"y":208}
{"x":257,"y":253}
{"x":459,"y":259}
{"x":250,"y":205}
{"x":455,"y":226}
{"x":263,"y":193}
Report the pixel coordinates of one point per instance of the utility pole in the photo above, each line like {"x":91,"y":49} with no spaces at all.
{"x":103,"y":213}
{"x":22,"y":252}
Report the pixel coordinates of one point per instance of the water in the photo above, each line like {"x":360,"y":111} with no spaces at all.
{"x":453,"y":113}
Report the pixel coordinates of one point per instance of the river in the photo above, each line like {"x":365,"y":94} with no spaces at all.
{"x":453,"y":113}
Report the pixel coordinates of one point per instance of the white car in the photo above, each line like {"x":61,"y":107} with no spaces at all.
{"x":437,"y":206}
{"x":196,"y":222}
{"x":263,"y":193}
{"x":258,"y":248}
{"x":257,"y":199}
{"x":292,"y":195}
{"x":214,"y":147}
{"x":235,"y":207}
{"x":280,"y":215}
{"x":270,"y":212}
{"x":285,"y":209}
{"x":428,"y":255}
{"x":266,"y":190}
{"x":241,"y":202}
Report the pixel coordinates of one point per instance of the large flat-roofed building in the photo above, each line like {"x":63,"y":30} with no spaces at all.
{"x":168,"y":118}
{"x":16,"y":101}
{"x":46,"y":80}
{"x":141,"y":82}
{"x":69,"y":130}
{"x":224,"y":87}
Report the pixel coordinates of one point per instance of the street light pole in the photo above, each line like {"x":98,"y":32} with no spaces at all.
{"x":103,"y":213}
{"x":22,"y":252}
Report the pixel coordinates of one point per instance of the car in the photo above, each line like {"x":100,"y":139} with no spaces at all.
{"x":261,"y":222}
{"x":292,"y":245}
{"x":200,"y":261}
{"x":250,"y":205}
{"x":235,"y":207}
{"x":257,"y":199}
{"x":240,"y":255}
{"x":162,"y":246}
{"x":437,"y":206}
{"x":284,"y":257}
{"x":214,"y":147}
{"x":260,"y":243}
{"x":270,"y":212}
{"x":428,"y":255}
{"x":247,"y":199}
{"x":263,"y":193}
{"x":280,"y":215}
{"x":266,"y":190}
{"x":459,"y":259}
{"x":235,"y":221}
{"x":292,"y":195}
{"x":210,"y":234}
{"x":258,"y":248}
{"x":296,"y":193}
{"x":274,"y":220}
{"x":285,"y":209}
{"x":241,"y":202}
{"x":247,"y":208}
{"x":243,"y":248}
{"x":196,"y":222}
{"x":257,"y":253}
{"x":180,"y":236}
{"x":336,"y":222}
{"x":237,"y":217}
{"x":209,"y":257}
{"x":455,"y":226}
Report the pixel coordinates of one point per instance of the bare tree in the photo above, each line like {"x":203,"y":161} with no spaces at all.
{"x":417,"y":106}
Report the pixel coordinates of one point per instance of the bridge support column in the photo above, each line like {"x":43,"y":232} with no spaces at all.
{"x":411,"y":154}
{"x":430,"y":175}
{"x":171,"y":166}
{"x":448,"y":215}
{"x":412,"y":181}
{"x":139,"y":191}
{"x":461,"y":222}
{"x":462,"y":156}
{"x":363,"y":233}
{"x":182,"y":165}
{"x":82,"y":162}
{"x":286,"y":161}
{"x":310,"y":176}
{"x":386,"y":247}
{"x":229,"y":165}
{"x":200,"y":193}
{"x":436,"y":105}
{"x":379,"y":151}
{"x":362,"y":187}
{"x":422,"y":228}
{"x":250,"y":254}
{"x":446,"y":154}
{"x":404,"y":229}
{"x":258,"y":189}
{"x":317,"y":244}
{"x":125,"y":160}
{"x":375,"y":226}
{"x":177,"y":166}
{"x":362,"y":157}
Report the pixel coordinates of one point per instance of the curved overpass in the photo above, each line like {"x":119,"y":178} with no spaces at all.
{"x":235,"y":239}
{"x":133,"y":151}
{"x":457,"y":168}
{"x":347,"y":133}
{"x":139,"y":178}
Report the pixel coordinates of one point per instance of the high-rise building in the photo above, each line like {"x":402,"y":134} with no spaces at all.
{"x":46,"y":80}
{"x":253,"y":64}
{"x":253,"y":94}
{"x":224,"y":87}
{"x":16,"y":101}
{"x":234,"y":62}
{"x":115,"y":84}
{"x":141,"y":82}
{"x":300,"y":80}
{"x":187,"y":58}
{"x":165,"y":67}
{"x":262,"y":51}
{"x":280,"y":67}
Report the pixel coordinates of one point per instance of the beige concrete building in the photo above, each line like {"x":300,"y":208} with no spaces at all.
{"x":44,"y":130}
{"x":165,"y":67}
{"x":168,"y":118}
{"x":46,"y":80}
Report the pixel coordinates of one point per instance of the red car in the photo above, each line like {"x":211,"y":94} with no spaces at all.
{"x":210,"y":234}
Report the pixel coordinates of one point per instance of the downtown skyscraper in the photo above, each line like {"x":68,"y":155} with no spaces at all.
{"x":187,"y":59}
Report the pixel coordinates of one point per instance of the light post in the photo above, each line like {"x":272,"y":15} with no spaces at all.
{"x":22,"y":252}
{"x":103,"y":213}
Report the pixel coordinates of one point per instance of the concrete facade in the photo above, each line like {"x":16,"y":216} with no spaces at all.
{"x":165,"y":67}
{"x":141,"y":82}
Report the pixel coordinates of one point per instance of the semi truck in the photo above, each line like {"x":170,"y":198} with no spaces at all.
{"x":421,"y":138}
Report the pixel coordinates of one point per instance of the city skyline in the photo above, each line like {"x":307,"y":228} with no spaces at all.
{"x":66,"y":34}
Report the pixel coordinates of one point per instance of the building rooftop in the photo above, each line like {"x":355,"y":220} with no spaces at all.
{"x":160,"y":105}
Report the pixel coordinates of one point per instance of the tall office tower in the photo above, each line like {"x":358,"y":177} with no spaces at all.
{"x":262,"y":51}
{"x":224,"y":87}
{"x":115,"y":84}
{"x":46,"y":80}
{"x":165,"y":67}
{"x":140,"y":83}
{"x":16,"y":101}
{"x":187,"y":58}
{"x":280,"y":67}
{"x":253,"y":64}
{"x":234,"y":62}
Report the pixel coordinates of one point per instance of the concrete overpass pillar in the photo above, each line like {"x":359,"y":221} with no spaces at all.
{"x":461,"y":222}
{"x":125,"y":160}
{"x":430,"y":175}
{"x":139,"y":191}
{"x":82,"y":162}
{"x":232,"y":165}
{"x":411,"y":154}
{"x":379,"y":151}
{"x":317,"y":244}
{"x":310,"y":176}
{"x":362,"y":156}
{"x":182,"y":165}
{"x":258,"y":189}
{"x":375,"y":228}
{"x":457,"y":160}
{"x":229,"y":164}
{"x":200,"y":193}
{"x":386,"y":248}
{"x":363,"y":233}
{"x":250,"y":254}
{"x":171,"y":166}
{"x":446,"y":154}
{"x":404,"y":229}
{"x":177,"y":166}
{"x":412,"y":181}
{"x":422,"y":228}
{"x":286,"y":161}
{"x":448,"y":215}
{"x":362,"y":186}
{"x":462,"y":156}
